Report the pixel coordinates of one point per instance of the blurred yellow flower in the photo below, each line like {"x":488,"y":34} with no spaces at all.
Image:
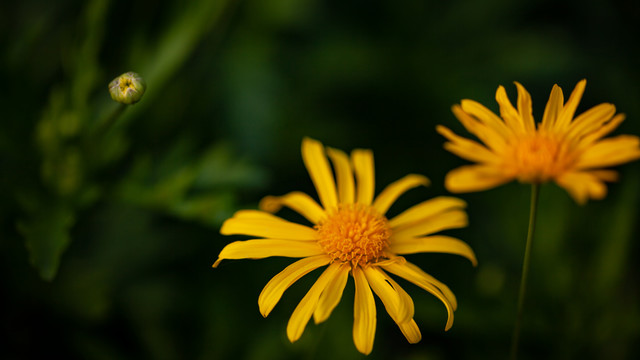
{"x":570,"y":151}
{"x":351,"y":235}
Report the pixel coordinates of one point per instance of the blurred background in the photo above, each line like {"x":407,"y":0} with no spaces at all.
{"x":107,"y":235}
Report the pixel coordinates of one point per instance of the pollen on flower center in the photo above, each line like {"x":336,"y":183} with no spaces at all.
{"x":538,"y":158}
{"x":354,"y":233}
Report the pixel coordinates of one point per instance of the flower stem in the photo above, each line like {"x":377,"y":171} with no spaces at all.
{"x":535,"y":190}
{"x":105,"y":123}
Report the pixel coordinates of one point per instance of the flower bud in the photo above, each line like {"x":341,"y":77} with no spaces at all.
{"x":127,"y":88}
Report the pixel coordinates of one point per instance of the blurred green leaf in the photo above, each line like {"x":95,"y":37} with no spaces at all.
{"x":200,"y":189}
{"x":219,"y":166}
{"x":47,"y":236}
{"x":73,"y":153}
{"x":211,"y":209}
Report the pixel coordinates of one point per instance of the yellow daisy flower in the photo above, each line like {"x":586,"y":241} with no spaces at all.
{"x":570,"y":151}
{"x":350,"y":235}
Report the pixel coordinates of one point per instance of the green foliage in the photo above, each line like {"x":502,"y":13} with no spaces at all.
{"x":200,"y":190}
{"x":78,"y":142}
{"x":46,"y":234}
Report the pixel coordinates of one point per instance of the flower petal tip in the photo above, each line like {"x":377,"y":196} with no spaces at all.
{"x":270,"y":204}
{"x":441,"y":129}
{"x":364,"y":351}
{"x":474,"y":262}
{"x":307,"y":141}
{"x":224,"y":229}
{"x":292,"y":337}
{"x":420,"y":180}
{"x":319,"y":320}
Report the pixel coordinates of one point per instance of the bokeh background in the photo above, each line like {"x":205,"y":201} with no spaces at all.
{"x":107,"y":236}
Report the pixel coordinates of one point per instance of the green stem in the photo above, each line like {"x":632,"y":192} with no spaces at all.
{"x":105,"y":123}
{"x":94,"y":138}
{"x":535,"y":189}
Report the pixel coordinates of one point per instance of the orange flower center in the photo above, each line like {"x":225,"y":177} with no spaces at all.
{"x":354,"y":233}
{"x":539,"y":158}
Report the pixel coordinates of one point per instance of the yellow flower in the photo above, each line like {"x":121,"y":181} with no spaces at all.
{"x":570,"y":151}
{"x":351,"y":235}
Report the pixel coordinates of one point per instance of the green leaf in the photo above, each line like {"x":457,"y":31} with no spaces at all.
{"x":210,"y":209}
{"x":46,"y":235}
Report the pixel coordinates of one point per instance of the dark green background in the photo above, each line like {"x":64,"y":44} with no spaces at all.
{"x":124,"y":229}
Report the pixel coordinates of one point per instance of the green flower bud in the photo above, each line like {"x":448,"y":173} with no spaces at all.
{"x":127,"y":88}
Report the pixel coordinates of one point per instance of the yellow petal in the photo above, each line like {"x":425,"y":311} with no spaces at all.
{"x":406,"y":309}
{"x":591,"y":120}
{"x":486,"y":116}
{"x":583,"y":186}
{"x":344,"y":175}
{"x":525,"y":108}
{"x":331,"y":296}
{"x":301,"y":315}
{"x":601,"y":132}
{"x":452,"y":219}
{"x":605,"y":175}
{"x":483,"y":114}
{"x":391,"y":193}
{"x":444,"y":289}
{"x":364,"y":313}
{"x":478,"y":154}
{"x":569,"y":109}
{"x":255,"y":214}
{"x":508,"y":112}
{"x":262,"y":248}
{"x":493,"y":136}
{"x":465,"y":148}
{"x":609,"y":152}
{"x":297,"y":201}
{"x":411,"y":331}
{"x":426,"y":209}
{"x":475,"y":178}
{"x":397,"y":302}
{"x":437,"y":284}
{"x":320,"y":172}
{"x":551,"y":111}
{"x":363,"y":166}
{"x":267,"y":226}
{"x":391,"y":259}
{"x":411,"y":275}
{"x":436,"y":243}
{"x":274,"y":289}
